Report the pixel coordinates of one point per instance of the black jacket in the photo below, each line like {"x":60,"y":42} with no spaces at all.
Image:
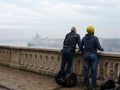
{"x":71,"y":40}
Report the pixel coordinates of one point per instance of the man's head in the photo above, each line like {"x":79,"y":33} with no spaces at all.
{"x":90,"y":29}
{"x":73,"y":29}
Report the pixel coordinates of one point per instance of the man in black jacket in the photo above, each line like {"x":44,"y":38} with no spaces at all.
{"x":68,"y":51}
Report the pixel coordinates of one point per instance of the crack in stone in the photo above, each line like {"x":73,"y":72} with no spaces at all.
{"x":58,"y":88}
{"x":4,"y":88}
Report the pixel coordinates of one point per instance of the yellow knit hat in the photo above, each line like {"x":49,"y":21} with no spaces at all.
{"x":90,"y":29}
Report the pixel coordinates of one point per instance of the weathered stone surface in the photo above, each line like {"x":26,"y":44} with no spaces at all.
{"x":15,"y":79}
{"x":47,"y":62}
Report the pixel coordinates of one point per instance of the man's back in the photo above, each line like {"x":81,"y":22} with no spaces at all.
{"x":89,"y":46}
{"x":91,"y":43}
{"x":71,"y":40}
{"x":68,"y":51}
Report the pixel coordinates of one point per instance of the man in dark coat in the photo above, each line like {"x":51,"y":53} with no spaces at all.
{"x":68,"y":51}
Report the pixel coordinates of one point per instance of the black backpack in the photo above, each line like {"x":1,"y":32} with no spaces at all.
{"x":117,"y":88}
{"x":108,"y":84}
{"x":69,"y":81}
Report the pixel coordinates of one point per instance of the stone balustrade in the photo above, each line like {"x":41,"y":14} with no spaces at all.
{"x":47,"y":61}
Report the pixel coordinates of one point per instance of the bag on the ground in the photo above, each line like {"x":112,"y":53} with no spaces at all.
{"x":108,"y":84}
{"x":60,"y":81}
{"x":69,"y":81}
{"x":117,"y":88}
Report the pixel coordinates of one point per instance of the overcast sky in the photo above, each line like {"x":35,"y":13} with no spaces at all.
{"x":22,"y":19}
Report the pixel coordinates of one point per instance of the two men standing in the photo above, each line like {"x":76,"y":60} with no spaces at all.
{"x":88,"y":46}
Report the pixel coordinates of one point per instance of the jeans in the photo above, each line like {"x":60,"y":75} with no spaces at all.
{"x":66,"y":64}
{"x":90,"y":62}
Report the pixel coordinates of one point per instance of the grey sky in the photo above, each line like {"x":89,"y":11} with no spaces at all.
{"x":21,"y":19}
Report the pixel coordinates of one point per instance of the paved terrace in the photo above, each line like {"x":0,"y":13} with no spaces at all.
{"x":14,"y":79}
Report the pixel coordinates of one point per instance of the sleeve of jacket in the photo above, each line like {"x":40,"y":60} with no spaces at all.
{"x":81,"y":46}
{"x":64,"y":40}
{"x":79,"y":41}
{"x":98,"y":45}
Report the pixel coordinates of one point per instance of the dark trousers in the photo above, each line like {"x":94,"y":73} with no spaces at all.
{"x":90,"y":61}
{"x":67,"y":60}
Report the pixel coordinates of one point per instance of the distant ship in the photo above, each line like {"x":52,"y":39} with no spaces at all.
{"x":37,"y":41}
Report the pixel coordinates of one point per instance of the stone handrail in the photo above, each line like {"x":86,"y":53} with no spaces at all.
{"x":47,"y":61}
